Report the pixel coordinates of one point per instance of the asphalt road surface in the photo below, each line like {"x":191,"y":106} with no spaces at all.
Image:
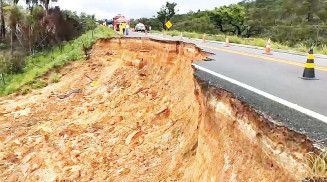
{"x":276,"y":74}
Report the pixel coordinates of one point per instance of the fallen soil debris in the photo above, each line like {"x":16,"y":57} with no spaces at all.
{"x":134,"y":112}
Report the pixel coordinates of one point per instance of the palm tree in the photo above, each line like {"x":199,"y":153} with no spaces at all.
{"x":45,"y":4}
{"x":13,"y":19}
{"x":31,"y":3}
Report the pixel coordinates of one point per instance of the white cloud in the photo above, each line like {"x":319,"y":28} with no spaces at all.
{"x":136,"y":8}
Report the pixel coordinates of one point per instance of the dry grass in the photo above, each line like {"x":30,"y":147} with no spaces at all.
{"x":318,"y":163}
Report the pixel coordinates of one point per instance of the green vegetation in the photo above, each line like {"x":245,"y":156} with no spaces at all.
{"x":40,"y":63}
{"x":166,"y":13}
{"x":35,"y":39}
{"x":25,"y":89}
{"x":54,"y":78}
{"x":291,"y":24}
{"x":318,"y":163}
{"x":27,"y":31}
{"x":39,"y":84}
{"x":260,"y":42}
{"x":3,"y":46}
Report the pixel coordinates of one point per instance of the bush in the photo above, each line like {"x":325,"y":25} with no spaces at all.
{"x":40,"y":63}
{"x":3,"y":64}
{"x":318,"y":163}
{"x":4,"y":46}
{"x":25,"y":89}
{"x":16,"y":64}
{"x":39,"y":84}
{"x":54,"y":78}
{"x":11,"y":64}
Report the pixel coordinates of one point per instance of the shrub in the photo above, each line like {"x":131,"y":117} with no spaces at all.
{"x":318,"y":163}
{"x":40,"y":63}
{"x":25,"y":89}
{"x":39,"y":84}
{"x":54,"y":78}
{"x":4,"y":46}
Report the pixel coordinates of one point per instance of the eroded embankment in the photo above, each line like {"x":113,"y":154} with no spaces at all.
{"x":134,"y":112}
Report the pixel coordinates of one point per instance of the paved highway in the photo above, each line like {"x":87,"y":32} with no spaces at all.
{"x":276,"y":75}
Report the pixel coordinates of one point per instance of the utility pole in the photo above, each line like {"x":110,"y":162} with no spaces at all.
{"x":2,"y":23}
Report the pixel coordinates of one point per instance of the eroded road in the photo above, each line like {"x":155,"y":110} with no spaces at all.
{"x":135,"y":112}
{"x":277,"y":74}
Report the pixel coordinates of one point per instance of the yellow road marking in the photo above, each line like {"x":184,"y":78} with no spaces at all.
{"x":321,"y":68}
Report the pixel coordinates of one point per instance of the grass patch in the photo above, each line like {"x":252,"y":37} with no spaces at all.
{"x":42,"y":62}
{"x":318,"y":164}
{"x":54,"y":78}
{"x":259,"y":42}
{"x":39,"y":84}
{"x":25,"y":89}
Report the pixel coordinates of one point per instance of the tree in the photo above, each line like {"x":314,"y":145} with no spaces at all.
{"x":88,"y":21}
{"x":229,"y":19}
{"x":2,"y":23}
{"x":166,"y":12}
{"x":45,"y":4}
{"x":306,"y":10}
{"x":14,"y":16}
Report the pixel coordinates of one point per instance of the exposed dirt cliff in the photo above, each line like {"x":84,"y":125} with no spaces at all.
{"x":135,"y":112}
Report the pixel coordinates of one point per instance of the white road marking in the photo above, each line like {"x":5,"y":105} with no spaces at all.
{"x":262,"y":93}
{"x":267,"y":95}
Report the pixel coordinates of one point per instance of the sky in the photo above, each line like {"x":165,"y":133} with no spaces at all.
{"x":136,"y":8}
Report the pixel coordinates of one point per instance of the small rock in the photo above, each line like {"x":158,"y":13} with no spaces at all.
{"x":112,"y":122}
{"x":141,"y":139}
{"x":159,"y":151}
{"x":130,"y":137}
{"x":90,"y":108}
{"x":142,"y":171}
{"x":120,"y":170}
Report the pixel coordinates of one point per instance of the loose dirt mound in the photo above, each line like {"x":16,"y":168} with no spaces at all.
{"x":118,"y":117}
{"x":134,"y":112}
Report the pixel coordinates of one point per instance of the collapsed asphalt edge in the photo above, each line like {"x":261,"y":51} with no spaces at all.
{"x":276,"y":112}
{"x":321,"y":56}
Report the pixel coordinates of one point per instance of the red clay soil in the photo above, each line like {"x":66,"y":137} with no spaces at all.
{"x":133,"y":112}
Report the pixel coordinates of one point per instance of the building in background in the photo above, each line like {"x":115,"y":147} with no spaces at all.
{"x":119,"y":19}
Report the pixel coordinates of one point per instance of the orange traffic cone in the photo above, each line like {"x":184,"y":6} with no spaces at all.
{"x":181,"y":37}
{"x":268,"y":47}
{"x":204,"y":38}
{"x":227,"y":42}
{"x":309,"y":68}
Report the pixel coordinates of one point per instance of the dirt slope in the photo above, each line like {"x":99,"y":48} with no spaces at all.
{"x":134,"y":112}
{"x":125,"y":128}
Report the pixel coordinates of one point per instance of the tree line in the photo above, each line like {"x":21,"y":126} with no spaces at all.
{"x":288,"y":21}
{"x":29,"y":29}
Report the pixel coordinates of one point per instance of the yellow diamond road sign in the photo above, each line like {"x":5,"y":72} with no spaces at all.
{"x":169,"y":24}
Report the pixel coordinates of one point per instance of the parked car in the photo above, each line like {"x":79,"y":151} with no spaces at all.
{"x":140,"y":27}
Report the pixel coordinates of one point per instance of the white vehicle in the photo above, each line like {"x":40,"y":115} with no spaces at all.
{"x":140,"y":27}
